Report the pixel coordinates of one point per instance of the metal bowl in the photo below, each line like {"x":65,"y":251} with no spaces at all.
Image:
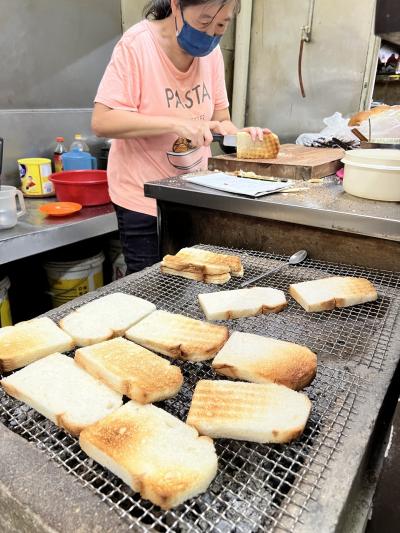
{"x":186,"y":160}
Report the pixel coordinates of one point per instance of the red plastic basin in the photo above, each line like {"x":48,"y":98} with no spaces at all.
{"x":86,"y":187}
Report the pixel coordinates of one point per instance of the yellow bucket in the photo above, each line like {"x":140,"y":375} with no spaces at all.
{"x":34,"y":173}
{"x":70,"y":279}
{"x":5,"y":311}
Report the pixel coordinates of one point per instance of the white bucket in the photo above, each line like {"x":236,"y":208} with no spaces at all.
{"x":70,"y":279}
{"x":5,"y":311}
{"x":374,"y":182}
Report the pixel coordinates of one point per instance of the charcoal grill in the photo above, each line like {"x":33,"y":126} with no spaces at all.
{"x":302,"y":486}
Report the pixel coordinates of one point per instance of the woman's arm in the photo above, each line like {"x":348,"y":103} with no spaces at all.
{"x":120,"y":124}
{"x":223,"y":116}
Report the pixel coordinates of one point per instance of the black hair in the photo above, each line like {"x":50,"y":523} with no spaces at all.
{"x":161,"y":9}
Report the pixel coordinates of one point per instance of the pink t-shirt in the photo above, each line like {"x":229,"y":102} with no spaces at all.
{"x":141,"y":78}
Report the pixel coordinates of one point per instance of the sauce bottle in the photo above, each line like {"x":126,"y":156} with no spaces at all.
{"x":59,"y":150}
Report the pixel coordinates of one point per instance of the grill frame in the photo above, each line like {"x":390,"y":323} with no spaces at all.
{"x":356,"y":374}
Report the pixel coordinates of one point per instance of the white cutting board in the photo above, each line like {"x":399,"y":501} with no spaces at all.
{"x":245,"y":186}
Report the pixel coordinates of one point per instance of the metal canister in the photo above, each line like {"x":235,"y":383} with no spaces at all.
{"x":34,"y":173}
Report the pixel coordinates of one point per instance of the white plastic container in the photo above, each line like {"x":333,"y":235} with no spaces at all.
{"x":5,"y":312}
{"x":373,"y":174}
{"x":70,"y":279}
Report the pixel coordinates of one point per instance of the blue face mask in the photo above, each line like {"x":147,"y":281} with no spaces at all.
{"x":195,"y":42}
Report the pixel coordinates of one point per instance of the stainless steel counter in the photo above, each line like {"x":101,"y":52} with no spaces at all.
{"x":323,"y":205}
{"x":36,"y":233}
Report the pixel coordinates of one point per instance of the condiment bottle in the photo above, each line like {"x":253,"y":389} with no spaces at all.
{"x":58,"y":151}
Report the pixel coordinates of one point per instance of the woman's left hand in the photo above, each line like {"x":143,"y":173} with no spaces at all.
{"x":256,"y":133}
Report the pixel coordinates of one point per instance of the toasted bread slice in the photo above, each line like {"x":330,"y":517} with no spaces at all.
{"x":153,"y":452}
{"x":189,"y":264}
{"x":107,"y":317}
{"x":197,"y":276}
{"x":268,"y":148}
{"x":265,"y":360}
{"x":217,"y":280}
{"x":62,"y":392}
{"x":29,"y":341}
{"x":327,"y":293}
{"x":204,"y":256}
{"x":178,"y":336}
{"x":248,"y":411}
{"x":131,"y":370}
{"x":225,"y":305}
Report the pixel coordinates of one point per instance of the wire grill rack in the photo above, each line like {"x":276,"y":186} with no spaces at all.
{"x":360,"y":334}
{"x":258,"y":487}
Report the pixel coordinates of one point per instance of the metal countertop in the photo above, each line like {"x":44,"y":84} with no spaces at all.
{"x":323,"y":205}
{"x":36,"y":233}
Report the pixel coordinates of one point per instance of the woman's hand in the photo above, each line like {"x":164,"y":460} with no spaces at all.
{"x":256,"y":133}
{"x":198,"y":131}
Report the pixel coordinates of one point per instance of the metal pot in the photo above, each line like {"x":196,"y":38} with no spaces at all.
{"x":369,"y":145}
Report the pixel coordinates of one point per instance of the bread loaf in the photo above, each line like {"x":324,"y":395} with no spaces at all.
{"x":268,"y":148}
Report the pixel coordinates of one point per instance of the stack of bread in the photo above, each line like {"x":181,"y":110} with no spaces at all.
{"x":202,"y":265}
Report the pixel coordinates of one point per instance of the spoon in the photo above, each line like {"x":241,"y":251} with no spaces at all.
{"x":294,"y":259}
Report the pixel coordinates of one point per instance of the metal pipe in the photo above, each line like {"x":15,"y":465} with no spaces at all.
{"x":241,"y":65}
{"x":306,"y":32}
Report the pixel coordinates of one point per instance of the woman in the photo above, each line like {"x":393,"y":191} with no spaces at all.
{"x":165,"y":81}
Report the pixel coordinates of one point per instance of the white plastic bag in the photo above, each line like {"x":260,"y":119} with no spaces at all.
{"x":336,"y":126}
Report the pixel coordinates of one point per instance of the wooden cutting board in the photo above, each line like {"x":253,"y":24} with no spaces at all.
{"x":293,"y":162}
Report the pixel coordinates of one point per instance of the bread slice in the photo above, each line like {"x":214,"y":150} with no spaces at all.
{"x":62,"y":392}
{"x":265,"y":360}
{"x":197,"y":276}
{"x":194,"y":265}
{"x":225,"y":305}
{"x":327,"y":293}
{"x":202,"y":265}
{"x":178,"y":336}
{"x":107,"y":317}
{"x":248,"y":411}
{"x":153,"y":452}
{"x":28,"y":341}
{"x":131,"y":370}
{"x":268,"y":148}
{"x":205,"y":256}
